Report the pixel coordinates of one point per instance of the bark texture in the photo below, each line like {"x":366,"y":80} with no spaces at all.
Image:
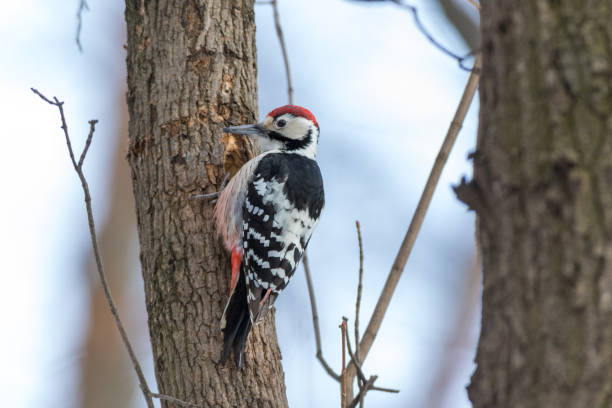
{"x":543,"y":173}
{"x":192,"y":70}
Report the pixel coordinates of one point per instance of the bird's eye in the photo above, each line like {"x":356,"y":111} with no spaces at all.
{"x":281,"y":123}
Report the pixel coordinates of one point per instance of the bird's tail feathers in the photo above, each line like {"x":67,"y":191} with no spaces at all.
{"x":236,"y":323}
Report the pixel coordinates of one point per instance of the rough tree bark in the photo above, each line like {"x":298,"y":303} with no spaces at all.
{"x":192,"y":70}
{"x":543,"y":183}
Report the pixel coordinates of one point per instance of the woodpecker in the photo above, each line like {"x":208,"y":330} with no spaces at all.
{"x":265,"y":217}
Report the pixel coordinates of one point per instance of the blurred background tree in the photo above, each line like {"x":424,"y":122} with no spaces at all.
{"x":543,"y":184}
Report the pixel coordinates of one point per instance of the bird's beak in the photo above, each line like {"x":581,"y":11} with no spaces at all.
{"x":256,"y":129}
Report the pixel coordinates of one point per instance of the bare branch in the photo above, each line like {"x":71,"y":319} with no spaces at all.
{"x":360,"y":373}
{"x":359,"y":286}
{"x":78,"y":167}
{"x":92,"y":128}
{"x":43,"y":97}
{"x":461,"y":59}
{"x":384,"y":389}
{"x":359,"y":398}
{"x":315,"y":319}
{"x":281,"y":40}
{"x":419,"y":215}
{"x":343,"y":383}
{"x":83,"y":6}
{"x":417,"y":21}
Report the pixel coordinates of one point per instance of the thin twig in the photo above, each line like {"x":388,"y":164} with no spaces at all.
{"x":283,"y":46}
{"x":83,"y":6}
{"x":281,"y":40}
{"x":92,"y":125}
{"x":362,"y":392}
{"x":365,"y":385}
{"x":359,"y":287}
{"x":419,"y":214}
{"x":417,"y":21}
{"x":78,"y":167}
{"x":360,"y":373}
{"x":343,"y":383}
{"x":315,"y":320}
{"x":461,"y":59}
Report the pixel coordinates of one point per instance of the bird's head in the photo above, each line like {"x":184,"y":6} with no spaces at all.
{"x":289,"y":128}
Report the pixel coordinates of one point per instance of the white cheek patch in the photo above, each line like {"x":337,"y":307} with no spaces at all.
{"x":295,"y":128}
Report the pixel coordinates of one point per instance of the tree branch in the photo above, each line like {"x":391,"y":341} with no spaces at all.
{"x":281,"y":40}
{"x":315,"y":320}
{"x":362,"y":392}
{"x":461,"y":59}
{"x":359,"y":286}
{"x":360,"y":374}
{"x":83,"y":6}
{"x":343,"y":383}
{"x":78,"y":167}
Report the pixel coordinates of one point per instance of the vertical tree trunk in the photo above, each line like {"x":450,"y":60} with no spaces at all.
{"x":191,"y":70}
{"x":543,"y":169}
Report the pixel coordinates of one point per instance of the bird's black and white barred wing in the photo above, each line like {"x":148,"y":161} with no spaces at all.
{"x":281,"y":209}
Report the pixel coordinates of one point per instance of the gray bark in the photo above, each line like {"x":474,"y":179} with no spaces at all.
{"x":192,"y":70}
{"x":543,"y":182}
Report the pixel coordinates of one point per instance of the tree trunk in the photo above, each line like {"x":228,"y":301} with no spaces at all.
{"x":543,"y":173}
{"x":192,"y":70}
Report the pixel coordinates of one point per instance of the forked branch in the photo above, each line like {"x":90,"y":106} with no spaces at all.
{"x":78,"y":167}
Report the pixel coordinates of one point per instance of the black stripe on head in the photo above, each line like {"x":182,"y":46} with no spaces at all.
{"x":292,"y":144}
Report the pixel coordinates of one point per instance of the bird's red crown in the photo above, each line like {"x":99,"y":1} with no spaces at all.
{"x":294,"y":110}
